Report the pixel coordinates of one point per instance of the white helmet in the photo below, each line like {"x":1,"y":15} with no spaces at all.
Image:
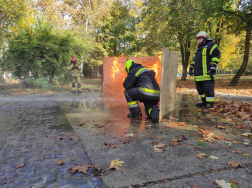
{"x":202,"y":34}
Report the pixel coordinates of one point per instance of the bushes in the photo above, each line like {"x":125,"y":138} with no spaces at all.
{"x":41,"y":83}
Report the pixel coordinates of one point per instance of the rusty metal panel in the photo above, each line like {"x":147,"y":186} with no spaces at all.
{"x":168,"y":82}
{"x":114,"y":75}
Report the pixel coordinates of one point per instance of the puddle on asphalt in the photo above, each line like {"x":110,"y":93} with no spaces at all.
{"x":94,"y":117}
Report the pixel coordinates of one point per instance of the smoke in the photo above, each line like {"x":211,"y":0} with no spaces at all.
{"x":59,"y":97}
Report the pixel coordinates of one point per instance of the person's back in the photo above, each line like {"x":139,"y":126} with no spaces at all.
{"x":140,"y":76}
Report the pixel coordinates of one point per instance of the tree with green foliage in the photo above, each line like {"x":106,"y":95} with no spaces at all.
{"x":118,"y":35}
{"x":238,"y":16}
{"x":172,"y":24}
{"x":37,"y":49}
{"x":11,"y":11}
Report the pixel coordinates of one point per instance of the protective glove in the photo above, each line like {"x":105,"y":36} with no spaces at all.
{"x":191,"y":72}
{"x":75,"y":67}
{"x":212,"y":68}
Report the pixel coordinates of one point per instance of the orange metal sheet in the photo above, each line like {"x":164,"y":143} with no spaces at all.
{"x":114,"y":75}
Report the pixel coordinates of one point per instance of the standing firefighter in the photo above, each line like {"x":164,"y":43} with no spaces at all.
{"x":141,"y":85}
{"x":75,"y":69}
{"x":205,"y":60}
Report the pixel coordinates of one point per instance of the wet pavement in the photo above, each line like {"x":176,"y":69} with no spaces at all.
{"x":39,"y":131}
{"x":30,"y":129}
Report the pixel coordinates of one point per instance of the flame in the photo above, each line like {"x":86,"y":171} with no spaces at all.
{"x":115,"y":68}
{"x":124,"y":77}
{"x":155,"y":68}
{"x":122,"y":55}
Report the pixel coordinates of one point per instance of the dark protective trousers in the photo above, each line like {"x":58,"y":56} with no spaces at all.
{"x":134,"y":94}
{"x":206,"y":91}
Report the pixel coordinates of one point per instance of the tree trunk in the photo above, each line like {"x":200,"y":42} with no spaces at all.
{"x":183,"y":77}
{"x":92,"y":73}
{"x":185,"y":54}
{"x":2,"y":77}
{"x":114,"y":48}
{"x":51,"y":79}
{"x":246,"y":55}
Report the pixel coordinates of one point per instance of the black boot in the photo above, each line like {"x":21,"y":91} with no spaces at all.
{"x":155,"y":114}
{"x":73,"y":91}
{"x":135,"y":116}
{"x":79,"y":91}
{"x":209,"y":106}
{"x":201,"y":104}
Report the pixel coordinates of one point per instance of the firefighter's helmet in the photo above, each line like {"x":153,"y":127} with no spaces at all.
{"x":128,"y":65}
{"x":202,"y":34}
{"x":73,"y":59}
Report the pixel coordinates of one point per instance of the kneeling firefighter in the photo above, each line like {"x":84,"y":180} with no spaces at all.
{"x":75,"y":69}
{"x":141,"y":85}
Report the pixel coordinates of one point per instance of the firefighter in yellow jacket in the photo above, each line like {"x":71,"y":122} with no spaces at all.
{"x":75,"y":69}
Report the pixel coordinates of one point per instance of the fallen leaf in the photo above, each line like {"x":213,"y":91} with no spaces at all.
{"x":246,"y":154}
{"x":201,"y":144}
{"x":131,"y":134}
{"x":236,"y":151}
{"x":175,"y":143}
{"x":124,"y":141}
{"x":246,"y":140}
{"x":236,"y":142}
{"x":115,"y":167}
{"x":106,"y":145}
{"x":235,"y":182}
{"x":20,"y":165}
{"x":74,"y":138}
{"x":234,"y":185}
{"x":223,"y":184}
{"x":113,"y":146}
{"x":160,"y":145}
{"x":234,"y":164}
{"x":229,"y":143}
{"x":81,"y":124}
{"x":97,"y":170}
{"x":246,"y":134}
{"x":116,"y":162}
{"x":83,"y":168}
{"x":213,"y":157}
{"x":228,"y":139}
{"x":98,"y":126}
{"x":219,"y":137}
{"x":159,"y":150}
{"x":201,"y":155}
{"x":61,"y":163}
{"x":158,"y":137}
